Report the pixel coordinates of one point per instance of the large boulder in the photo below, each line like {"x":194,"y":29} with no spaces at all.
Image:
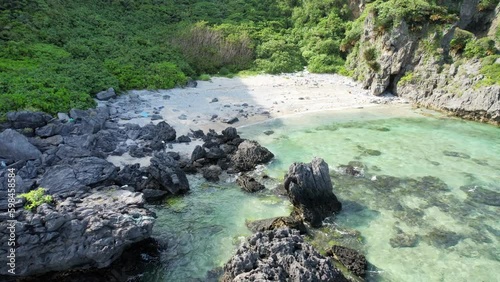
{"x":249,"y":154}
{"x":16,"y":147}
{"x":26,"y":119}
{"x":166,"y":171}
{"x":83,"y":232}
{"x":73,"y":175}
{"x":279,"y":255}
{"x":309,"y":188}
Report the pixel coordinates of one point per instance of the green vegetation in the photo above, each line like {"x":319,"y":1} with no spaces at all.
{"x":56,"y":55}
{"x":480,"y":48}
{"x":35,"y":198}
{"x":491,"y":70}
{"x":407,"y":78}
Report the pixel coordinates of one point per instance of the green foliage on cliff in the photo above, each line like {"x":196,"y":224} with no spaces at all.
{"x":55,"y":55}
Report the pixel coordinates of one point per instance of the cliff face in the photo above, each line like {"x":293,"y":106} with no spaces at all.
{"x":423,"y":66}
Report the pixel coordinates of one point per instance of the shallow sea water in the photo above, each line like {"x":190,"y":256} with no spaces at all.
{"x":425,"y":209}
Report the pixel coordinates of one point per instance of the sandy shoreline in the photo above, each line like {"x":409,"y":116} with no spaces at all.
{"x":249,"y":99}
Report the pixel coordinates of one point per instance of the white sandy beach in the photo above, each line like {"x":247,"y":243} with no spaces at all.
{"x":249,"y":99}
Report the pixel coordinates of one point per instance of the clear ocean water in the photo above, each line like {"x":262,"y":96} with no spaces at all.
{"x":426,"y":207}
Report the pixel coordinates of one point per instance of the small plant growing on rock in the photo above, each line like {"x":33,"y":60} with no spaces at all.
{"x":35,"y":198}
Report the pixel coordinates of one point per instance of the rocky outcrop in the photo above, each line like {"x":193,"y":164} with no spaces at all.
{"x":418,"y":63}
{"x":250,"y":154}
{"x":279,"y":255}
{"x":225,"y":152}
{"x":26,"y":119}
{"x":16,"y":147}
{"x":310,"y":190}
{"x":354,"y":261}
{"x":73,"y":175}
{"x":91,"y":231}
{"x":277,"y":223}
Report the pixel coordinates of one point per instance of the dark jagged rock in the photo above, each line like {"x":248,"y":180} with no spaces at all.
{"x":25,"y":119}
{"x":229,"y":133}
{"x":249,"y":184}
{"x":309,"y":188}
{"x":89,"y":121}
{"x":250,"y":154}
{"x":167,"y":172}
{"x":351,"y":259}
{"x":183,"y":139}
{"x":279,"y":255}
{"x":197,"y":134}
{"x":91,"y":231}
{"x":16,"y":147}
{"x":215,"y":153}
{"x":212,"y":173}
{"x":106,"y":95}
{"x":198,"y":153}
{"x":277,"y":223}
{"x":44,"y":144}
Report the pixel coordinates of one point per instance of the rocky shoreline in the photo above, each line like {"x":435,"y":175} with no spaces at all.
{"x":98,"y":208}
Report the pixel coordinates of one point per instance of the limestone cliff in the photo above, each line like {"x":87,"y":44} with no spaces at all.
{"x":429,"y":63}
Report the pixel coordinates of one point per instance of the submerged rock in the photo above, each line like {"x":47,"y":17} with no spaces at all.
{"x":279,"y":255}
{"x":351,"y":259}
{"x":309,"y":188}
{"x":482,"y":195}
{"x":456,"y":154}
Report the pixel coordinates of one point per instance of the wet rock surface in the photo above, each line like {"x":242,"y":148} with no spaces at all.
{"x":309,"y":188}
{"x":276,"y":223}
{"x":249,"y":184}
{"x":279,"y":255}
{"x":351,"y":259}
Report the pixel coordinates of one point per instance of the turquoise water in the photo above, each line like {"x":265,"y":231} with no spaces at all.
{"x":426,"y":209}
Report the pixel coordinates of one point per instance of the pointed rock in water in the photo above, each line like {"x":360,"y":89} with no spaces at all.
{"x":351,"y":259}
{"x":249,"y":184}
{"x":279,"y":255}
{"x":309,"y":188}
{"x":212,"y":173}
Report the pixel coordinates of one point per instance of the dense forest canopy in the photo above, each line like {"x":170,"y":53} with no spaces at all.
{"x":55,"y":55}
